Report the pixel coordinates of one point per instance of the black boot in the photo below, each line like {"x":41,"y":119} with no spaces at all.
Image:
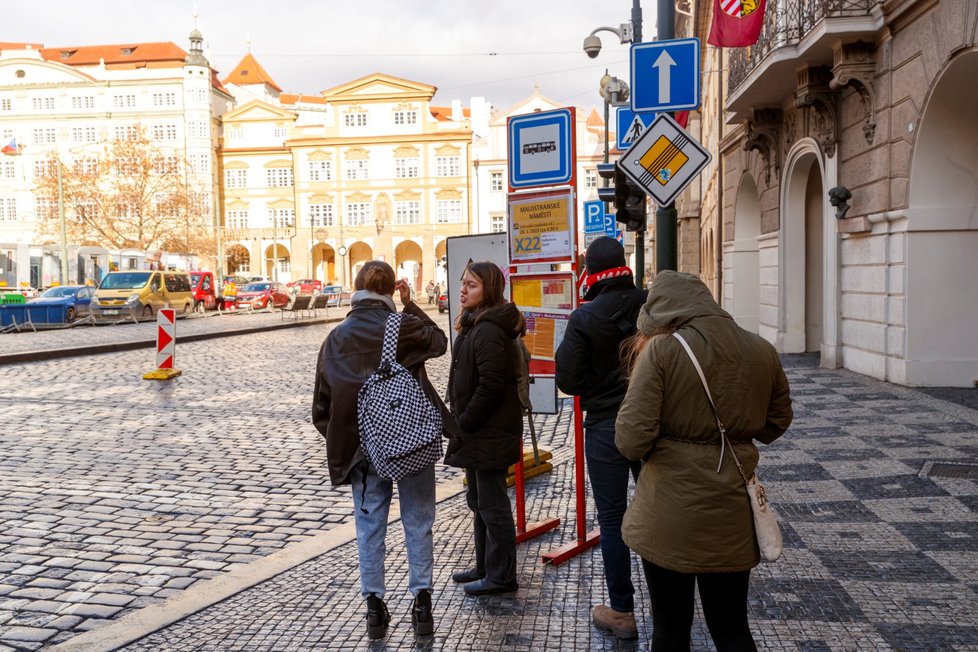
{"x":421,"y":618}
{"x":377,"y":617}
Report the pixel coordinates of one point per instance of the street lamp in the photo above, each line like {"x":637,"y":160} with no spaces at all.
{"x":341,"y":250}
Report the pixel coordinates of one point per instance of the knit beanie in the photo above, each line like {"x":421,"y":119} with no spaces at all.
{"x":604,"y":253}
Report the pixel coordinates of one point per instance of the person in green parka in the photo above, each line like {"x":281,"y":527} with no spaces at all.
{"x":690,"y":520}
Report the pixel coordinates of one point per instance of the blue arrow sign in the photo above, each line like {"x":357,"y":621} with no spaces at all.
{"x":631,"y":126}
{"x":594,"y":216}
{"x":665,"y":75}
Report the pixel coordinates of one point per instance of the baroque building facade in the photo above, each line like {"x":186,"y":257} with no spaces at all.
{"x":68,"y":103}
{"x":838,"y":216}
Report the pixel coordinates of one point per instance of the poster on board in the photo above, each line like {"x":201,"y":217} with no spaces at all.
{"x":542,"y":227}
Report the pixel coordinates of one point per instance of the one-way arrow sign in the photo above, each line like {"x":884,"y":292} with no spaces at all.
{"x":665,"y":75}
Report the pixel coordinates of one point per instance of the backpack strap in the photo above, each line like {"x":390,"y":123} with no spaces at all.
{"x":392,"y":330}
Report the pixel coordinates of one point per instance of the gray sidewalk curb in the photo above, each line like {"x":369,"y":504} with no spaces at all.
{"x":139,"y":624}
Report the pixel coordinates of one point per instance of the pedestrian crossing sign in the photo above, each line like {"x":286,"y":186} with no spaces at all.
{"x":630,"y":126}
{"x":664,"y":160}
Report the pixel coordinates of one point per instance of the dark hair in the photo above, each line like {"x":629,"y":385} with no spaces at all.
{"x":375,"y":276}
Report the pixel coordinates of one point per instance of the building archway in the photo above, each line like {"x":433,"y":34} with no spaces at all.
{"x":358,"y":254}
{"x":278,"y":262}
{"x":802,"y":276}
{"x":745,"y":295}
{"x":407,"y":257}
{"x":238,"y":260}
{"x":324,"y":264}
{"x":942,"y":234}
{"x":441,"y":262}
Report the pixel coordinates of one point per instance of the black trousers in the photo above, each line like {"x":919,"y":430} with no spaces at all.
{"x":724,"y":600}
{"x":492,"y":524}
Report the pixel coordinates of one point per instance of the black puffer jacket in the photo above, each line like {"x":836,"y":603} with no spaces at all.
{"x":349,"y":355}
{"x":482,"y":390}
{"x":588,"y":361}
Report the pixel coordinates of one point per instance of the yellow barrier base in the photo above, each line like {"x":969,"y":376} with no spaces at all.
{"x":162,"y":374}
{"x":530,"y":470}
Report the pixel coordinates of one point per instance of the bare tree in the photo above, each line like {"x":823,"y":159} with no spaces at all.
{"x":131,"y":194}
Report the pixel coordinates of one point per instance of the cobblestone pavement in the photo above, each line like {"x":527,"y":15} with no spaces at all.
{"x":881,"y":549}
{"x":153,"y":488}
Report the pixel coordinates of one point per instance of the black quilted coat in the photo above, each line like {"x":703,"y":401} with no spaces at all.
{"x":482,"y":390}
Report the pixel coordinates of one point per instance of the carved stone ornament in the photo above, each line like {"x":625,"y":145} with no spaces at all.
{"x":854,"y":66}
{"x":763,"y":134}
{"x":813,"y":93}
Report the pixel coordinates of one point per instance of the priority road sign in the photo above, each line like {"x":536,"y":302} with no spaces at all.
{"x":594,"y":216}
{"x":664,"y":160}
{"x":630,"y":126}
{"x":665,"y":75}
{"x":541,"y":148}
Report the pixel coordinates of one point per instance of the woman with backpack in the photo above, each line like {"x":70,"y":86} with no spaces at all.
{"x":483,"y":396}
{"x":350,"y":354}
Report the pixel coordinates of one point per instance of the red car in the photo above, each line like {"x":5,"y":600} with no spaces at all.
{"x":205,"y":291}
{"x":265,"y":294}
{"x":442,"y":302}
{"x":307,"y":285}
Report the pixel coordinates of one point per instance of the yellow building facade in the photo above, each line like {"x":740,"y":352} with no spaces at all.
{"x":315,"y":186}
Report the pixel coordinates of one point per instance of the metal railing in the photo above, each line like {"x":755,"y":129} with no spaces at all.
{"x":786,"y":22}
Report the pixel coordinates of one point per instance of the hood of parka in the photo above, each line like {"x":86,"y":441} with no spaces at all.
{"x":674,"y":299}
{"x":506,"y":315}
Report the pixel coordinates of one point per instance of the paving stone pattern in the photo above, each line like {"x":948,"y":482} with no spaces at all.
{"x":878,"y":557}
{"x":116,"y":493}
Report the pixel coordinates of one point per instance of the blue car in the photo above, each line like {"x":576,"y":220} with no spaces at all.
{"x":74,"y":300}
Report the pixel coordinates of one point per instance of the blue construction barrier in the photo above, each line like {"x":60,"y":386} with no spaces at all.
{"x":15,"y":314}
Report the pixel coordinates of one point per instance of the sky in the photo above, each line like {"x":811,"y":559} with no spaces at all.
{"x":497,"y":49}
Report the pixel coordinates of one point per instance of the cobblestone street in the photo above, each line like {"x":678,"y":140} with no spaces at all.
{"x":130,"y":508}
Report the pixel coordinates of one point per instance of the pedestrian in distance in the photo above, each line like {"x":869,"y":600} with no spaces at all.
{"x":690,"y":519}
{"x":483,"y":398}
{"x":350,"y":354}
{"x":589,"y":365}
{"x":430,"y":289}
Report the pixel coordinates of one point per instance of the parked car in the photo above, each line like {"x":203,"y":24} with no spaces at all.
{"x":336,"y":294}
{"x":25,"y":291}
{"x":142,"y":293}
{"x":206,"y":294}
{"x":240,"y":281}
{"x":259,"y":279}
{"x":260,"y":295}
{"x":306,"y":286}
{"x":75,"y":300}
{"x":442,"y":302}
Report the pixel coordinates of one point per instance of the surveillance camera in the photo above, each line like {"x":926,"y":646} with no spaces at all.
{"x":592,"y":46}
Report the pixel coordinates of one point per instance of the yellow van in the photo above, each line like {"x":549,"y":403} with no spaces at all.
{"x":141,"y":294}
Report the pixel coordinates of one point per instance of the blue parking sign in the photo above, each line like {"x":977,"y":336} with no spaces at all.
{"x":594,"y":216}
{"x":610,"y":226}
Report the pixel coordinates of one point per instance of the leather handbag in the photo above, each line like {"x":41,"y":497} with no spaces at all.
{"x":766,"y":527}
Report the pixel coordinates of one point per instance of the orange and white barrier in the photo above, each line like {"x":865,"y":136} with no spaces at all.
{"x":166,"y":344}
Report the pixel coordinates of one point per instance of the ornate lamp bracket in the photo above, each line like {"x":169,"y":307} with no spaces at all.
{"x":854,"y":66}
{"x":813,"y":93}
{"x":763,"y":135}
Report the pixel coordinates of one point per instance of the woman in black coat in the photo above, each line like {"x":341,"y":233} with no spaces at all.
{"x":484,"y":400}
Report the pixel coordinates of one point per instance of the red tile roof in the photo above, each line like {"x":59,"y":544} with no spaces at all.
{"x":249,"y":71}
{"x":294,"y":98}
{"x":125,"y":53}
{"x":444,"y":113}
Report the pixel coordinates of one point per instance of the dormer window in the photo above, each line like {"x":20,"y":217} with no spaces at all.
{"x":127,"y":51}
{"x":66,"y":54}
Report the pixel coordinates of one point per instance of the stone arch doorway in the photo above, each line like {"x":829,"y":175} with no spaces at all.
{"x":802,"y":254}
{"x":277,"y":262}
{"x":745,"y":275}
{"x":324,"y":264}
{"x":407,"y":257}
{"x":942,"y":234}
{"x":441,"y":263}
{"x":238,"y":260}
{"x":357,"y":255}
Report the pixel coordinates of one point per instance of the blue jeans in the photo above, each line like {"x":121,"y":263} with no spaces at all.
{"x":608,"y":471}
{"x":371,"y":504}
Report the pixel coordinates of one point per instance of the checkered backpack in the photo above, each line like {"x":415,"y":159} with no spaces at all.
{"x":400,"y":430}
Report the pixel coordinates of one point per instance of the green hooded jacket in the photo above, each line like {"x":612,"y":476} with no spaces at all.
{"x":686,"y":515}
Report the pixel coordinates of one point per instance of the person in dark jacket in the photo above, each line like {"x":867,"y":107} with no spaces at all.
{"x":589,"y":366}
{"x":484,"y":400}
{"x":349,"y":355}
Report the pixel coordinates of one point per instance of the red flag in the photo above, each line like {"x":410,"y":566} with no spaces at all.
{"x":736,"y":23}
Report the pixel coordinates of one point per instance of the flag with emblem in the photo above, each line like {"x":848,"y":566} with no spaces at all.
{"x":736,"y":23}
{"x":11,"y":148}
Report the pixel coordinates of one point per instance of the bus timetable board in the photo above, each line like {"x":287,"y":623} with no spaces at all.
{"x":542,"y":227}
{"x":546,"y":301}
